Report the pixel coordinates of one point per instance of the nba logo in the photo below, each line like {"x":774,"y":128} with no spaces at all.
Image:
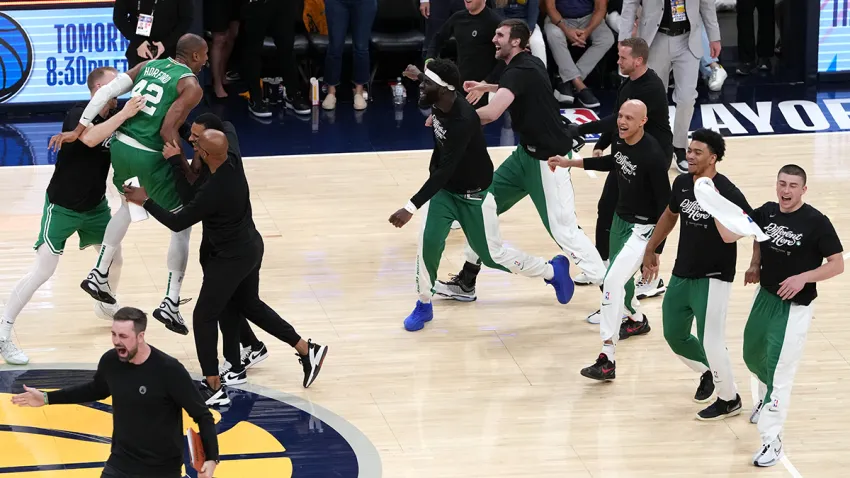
{"x":581,"y":116}
{"x":607,"y":296}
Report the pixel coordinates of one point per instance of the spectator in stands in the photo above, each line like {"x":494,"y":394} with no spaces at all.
{"x":579,"y":23}
{"x":747,"y":46}
{"x":159,"y":23}
{"x":473,"y":29}
{"x":675,"y":43}
{"x":221,"y":17}
{"x":277,"y":17}
{"x":357,"y":17}
{"x":436,"y":13}
{"x":528,"y":10}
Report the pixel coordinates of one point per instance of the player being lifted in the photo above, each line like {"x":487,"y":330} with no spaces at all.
{"x":171,"y":89}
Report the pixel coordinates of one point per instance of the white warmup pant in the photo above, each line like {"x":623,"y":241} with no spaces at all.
{"x":628,"y":244}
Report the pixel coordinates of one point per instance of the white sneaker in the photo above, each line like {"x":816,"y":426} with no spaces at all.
{"x":455,"y":226}
{"x":12,"y":354}
{"x":454,"y":289}
{"x":756,"y":413}
{"x":360,"y":102}
{"x":718,"y":76}
{"x":582,"y":279}
{"x":169,"y":314}
{"x":769,"y":454}
{"x":229,"y":377}
{"x":251,"y":357}
{"x":645,"y":290}
{"x":105,"y":311}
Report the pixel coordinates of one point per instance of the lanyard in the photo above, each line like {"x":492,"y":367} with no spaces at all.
{"x":139,"y":6}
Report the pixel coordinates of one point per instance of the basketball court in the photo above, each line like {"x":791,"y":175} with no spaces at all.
{"x":487,"y":389}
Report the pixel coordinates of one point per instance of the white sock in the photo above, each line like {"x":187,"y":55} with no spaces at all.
{"x":178,"y":258}
{"x":112,"y":237}
{"x":44,"y":267}
{"x":608,"y":349}
{"x":425,"y":300}
{"x":549,"y":273}
{"x":115,"y":267}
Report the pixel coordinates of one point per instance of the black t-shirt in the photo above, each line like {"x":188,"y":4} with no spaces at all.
{"x":799,"y":241}
{"x":476,"y":53}
{"x":147,"y":412}
{"x":460,"y":162}
{"x":702,"y":252}
{"x":535,"y":113}
{"x":644,"y":187}
{"x":79,"y":178}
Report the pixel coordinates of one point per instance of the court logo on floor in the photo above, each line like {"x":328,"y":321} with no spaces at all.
{"x":261,"y":433}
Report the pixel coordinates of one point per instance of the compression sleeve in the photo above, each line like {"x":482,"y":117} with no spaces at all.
{"x":115,"y":88}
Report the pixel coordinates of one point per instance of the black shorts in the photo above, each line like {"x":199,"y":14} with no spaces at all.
{"x":219,"y":13}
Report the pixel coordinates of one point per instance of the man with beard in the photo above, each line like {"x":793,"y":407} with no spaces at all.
{"x":149,"y":391}
{"x":459,"y":189}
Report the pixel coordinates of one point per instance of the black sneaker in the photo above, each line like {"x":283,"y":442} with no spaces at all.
{"x":764,"y":64}
{"x":681,"y":160}
{"x":745,"y":68}
{"x":630,"y":328}
{"x":721,"y":409}
{"x":168,"y":313}
{"x":297,"y":103}
{"x":214,"y":398}
{"x":603,"y":369}
{"x":705,"y":389}
{"x":564,"y":92}
{"x":460,"y":287}
{"x":234,"y":377}
{"x":253,"y":355}
{"x":312,"y":362}
{"x":587,"y":99}
{"x":97,"y":286}
{"x":260,"y":110}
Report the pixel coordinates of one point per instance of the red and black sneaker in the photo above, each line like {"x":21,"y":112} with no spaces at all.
{"x":603,"y":369}
{"x":631,"y":327}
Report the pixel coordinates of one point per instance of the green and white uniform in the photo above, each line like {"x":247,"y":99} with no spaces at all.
{"x":137,"y":150}
{"x":701,"y":284}
{"x":776,"y":329}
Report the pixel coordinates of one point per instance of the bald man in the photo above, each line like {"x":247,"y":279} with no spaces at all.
{"x":641,"y":168}
{"x":232,"y":271}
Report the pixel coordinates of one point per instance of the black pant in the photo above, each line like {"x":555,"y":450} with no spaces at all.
{"x":110,"y":472}
{"x":233,"y":341}
{"x":231,"y":287}
{"x":276,"y":17}
{"x":747,"y":48}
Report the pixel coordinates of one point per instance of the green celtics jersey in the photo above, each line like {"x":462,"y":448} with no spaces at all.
{"x":157,"y":81}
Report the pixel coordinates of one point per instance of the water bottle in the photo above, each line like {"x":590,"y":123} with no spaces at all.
{"x":398,"y":92}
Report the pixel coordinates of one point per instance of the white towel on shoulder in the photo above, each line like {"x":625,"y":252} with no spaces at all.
{"x":728,"y":213}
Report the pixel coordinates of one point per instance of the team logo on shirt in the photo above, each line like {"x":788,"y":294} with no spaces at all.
{"x":627,"y":167}
{"x":781,"y":236}
{"x":282,"y":435}
{"x":693,"y":211}
{"x":439,"y":130}
{"x":143,"y":390}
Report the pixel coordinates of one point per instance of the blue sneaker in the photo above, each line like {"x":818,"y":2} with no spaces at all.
{"x":421,"y":314}
{"x":563,"y":284}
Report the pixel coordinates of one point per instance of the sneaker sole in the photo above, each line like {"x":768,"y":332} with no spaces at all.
{"x":591,"y":105}
{"x":169,"y":324}
{"x":598,"y":379}
{"x":583,"y":283}
{"x":257,"y":360}
{"x":708,"y":399}
{"x":654,"y":293}
{"x":267,"y":114}
{"x":459,"y":298}
{"x":95,"y":292}
{"x":298,"y":112}
{"x":314,"y":373}
{"x":16,"y":362}
{"x":733,"y":413}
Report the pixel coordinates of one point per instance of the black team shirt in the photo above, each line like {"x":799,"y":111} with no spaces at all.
{"x":649,"y":89}
{"x":799,"y":242}
{"x":642,"y":178}
{"x":460,"y":162}
{"x":79,"y":179}
{"x":476,"y":54}
{"x":147,"y":412}
{"x":702,"y":252}
{"x":535,"y":113}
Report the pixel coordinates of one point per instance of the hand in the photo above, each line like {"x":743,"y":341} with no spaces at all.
{"x":650,"y":266}
{"x":58,"y":140}
{"x":425,"y":9}
{"x":429,"y":121}
{"x":412,"y":71}
{"x":160,"y":49}
{"x":171,"y":149}
{"x":791,"y":286}
{"x":144,"y":51}
{"x":135,"y":195}
{"x":714,"y":47}
{"x":753,"y":275}
{"x":207,"y":470}
{"x":572,"y":36}
{"x":474,"y":96}
{"x":597,"y":153}
{"x":133,"y":106}
{"x":400,"y":217}
{"x":471,"y":85}
{"x":32,"y":397}
{"x":556,"y":161}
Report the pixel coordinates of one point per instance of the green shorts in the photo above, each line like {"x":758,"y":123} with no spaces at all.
{"x":59,"y":223}
{"x":152,"y":169}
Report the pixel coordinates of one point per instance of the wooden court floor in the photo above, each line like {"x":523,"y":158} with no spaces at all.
{"x":488,"y":389}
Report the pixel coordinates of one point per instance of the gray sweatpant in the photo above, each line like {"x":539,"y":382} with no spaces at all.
{"x":601,"y":39}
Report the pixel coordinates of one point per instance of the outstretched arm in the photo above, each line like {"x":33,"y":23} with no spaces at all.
{"x":494,"y":109}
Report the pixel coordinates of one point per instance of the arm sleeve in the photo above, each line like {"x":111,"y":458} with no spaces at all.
{"x":122,"y":19}
{"x":708,"y":12}
{"x":115,"y":88}
{"x":201,"y":206}
{"x":451,"y":151}
{"x":440,"y":39}
{"x":92,"y":391}
{"x":674,"y":202}
{"x":185,"y":394}
{"x":184,"y":21}
{"x":604,"y":140}
{"x":602,"y":163}
{"x":660,"y":186}
{"x":828,"y":242}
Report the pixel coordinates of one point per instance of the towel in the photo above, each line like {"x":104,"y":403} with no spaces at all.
{"x":725,"y":211}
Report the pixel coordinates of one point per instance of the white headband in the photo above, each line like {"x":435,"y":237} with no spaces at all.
{"x":436,"y":79}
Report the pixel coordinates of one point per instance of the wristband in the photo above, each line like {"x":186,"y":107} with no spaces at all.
{"x":46,"y":402}
{"x":409,"y":207}
{"x":428,"y":60}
